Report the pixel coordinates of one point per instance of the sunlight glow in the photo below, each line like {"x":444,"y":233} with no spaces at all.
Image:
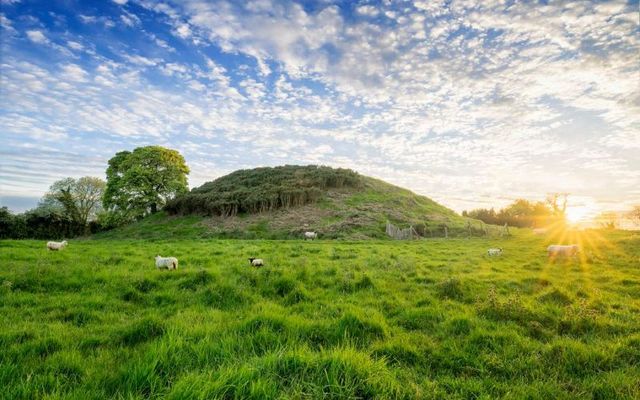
{"x":577,"y":214}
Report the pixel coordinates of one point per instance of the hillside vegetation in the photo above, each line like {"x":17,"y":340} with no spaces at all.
{"x":282,"y":202}
{"x":388,"y":320}
{"x":263,"y":189}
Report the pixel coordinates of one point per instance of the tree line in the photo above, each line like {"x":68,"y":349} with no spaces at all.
{"x":524,"y":213}
{"x":151,"y":178}
{"x":139,"y":182}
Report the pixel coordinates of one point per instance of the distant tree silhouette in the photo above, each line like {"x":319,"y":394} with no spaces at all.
{"x":608,"y":219}
{"x":634,"y":214}
{"x":521,"y":213}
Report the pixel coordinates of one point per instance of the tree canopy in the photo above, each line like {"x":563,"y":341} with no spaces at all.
{"x":142,"y":181}
{"x":79,"y":200}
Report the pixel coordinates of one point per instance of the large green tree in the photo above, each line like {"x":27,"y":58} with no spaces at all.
{"x":79,"y":200}
{"x":141,"y":181}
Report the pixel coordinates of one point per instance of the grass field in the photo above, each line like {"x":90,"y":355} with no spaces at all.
{"x":371,"y":319}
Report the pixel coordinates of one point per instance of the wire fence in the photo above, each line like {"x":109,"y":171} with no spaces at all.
{"x":472,"y":229}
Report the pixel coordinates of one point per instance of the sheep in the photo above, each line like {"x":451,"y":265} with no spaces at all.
{"x":540,"y":231}
{"x":562,"y":250}
{"x":256,"y":262}
{"x":310,"y":235}
{"x":56,"y":245}
{"x":166,"y":262}
{"x":494,"y":252}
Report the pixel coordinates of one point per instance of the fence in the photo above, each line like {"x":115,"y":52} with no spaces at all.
{"x":475,"y":229}
{"x":401,"y":234}
{"x":481,"y":228}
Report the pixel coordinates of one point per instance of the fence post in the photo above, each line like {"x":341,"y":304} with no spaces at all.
{"x":505,"y":230}
{"x":446,"y":232}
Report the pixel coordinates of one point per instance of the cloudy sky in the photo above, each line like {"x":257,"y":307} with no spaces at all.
{"x":470,"y":103}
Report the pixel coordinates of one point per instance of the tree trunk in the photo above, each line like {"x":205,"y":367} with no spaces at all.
{"x":154,"y":208}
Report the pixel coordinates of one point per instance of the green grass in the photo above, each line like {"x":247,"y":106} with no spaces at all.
{"x":424,"y":319}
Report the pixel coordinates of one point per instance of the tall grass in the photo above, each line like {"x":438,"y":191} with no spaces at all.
{"x":428,"y":319}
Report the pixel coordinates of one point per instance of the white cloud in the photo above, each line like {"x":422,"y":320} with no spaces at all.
{"x":74,"y":73}
{"x":37,"y":37}
{"x":6,"y":25}
{"x":449,"y":98}
{"x":369,"y":11}
{"x":140,"y":60}
{"x":130,"y":19}
{"x":74,"y":45}
{"x":92,"y":19}
{"x":174,"y":69}
{"x":183,"y":31}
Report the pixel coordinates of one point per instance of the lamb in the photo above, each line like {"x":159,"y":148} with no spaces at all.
{"x":56,"y":245}
{"x":166,"y":262}
{"x":310,"y":235}
{"x":256,"y":262}
{"x":563,"y":250}
{"x":494,"y":252}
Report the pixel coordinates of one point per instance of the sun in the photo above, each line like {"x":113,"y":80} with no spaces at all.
{"x":577,"y":214}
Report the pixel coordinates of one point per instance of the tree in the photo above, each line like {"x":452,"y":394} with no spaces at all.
{"x":608,"y":219}
{"x":634,"y":214}
{"x":79,"y":200}
{"x":6,"y":223}
{"x":142,"y":181}
{"x":554,"y":201}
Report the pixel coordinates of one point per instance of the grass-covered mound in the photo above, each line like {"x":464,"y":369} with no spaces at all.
{"x":367,"y":320}
{"x":282,"y":202}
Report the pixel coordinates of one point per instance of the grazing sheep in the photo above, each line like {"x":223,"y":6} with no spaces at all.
{"x":494,"y":252}
{"x":310,"y":235}
{"x":56,"y":245}
{"x":256,"y":262}
{"x":562,"y":250}
{"x":166,"y":262}
{"x":540,"y":231}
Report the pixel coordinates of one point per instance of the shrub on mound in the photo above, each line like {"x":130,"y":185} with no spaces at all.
{"x":263,"y":189}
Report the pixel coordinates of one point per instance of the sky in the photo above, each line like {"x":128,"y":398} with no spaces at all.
{"x":472,"y":103}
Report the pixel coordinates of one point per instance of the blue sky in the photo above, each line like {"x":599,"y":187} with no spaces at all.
{"x":470,"y":103}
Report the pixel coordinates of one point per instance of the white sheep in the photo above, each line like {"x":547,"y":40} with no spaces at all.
{"x":56,"y":245}
{"x":494,"y":252}
{"x":562,"y":250}
{"x":256,"y":262}
{"x":166,"y":262}
{"x":540,"y":231}
{"x":310,"y":235}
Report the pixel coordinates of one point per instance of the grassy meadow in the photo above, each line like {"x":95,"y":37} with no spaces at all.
{"x":327,"y":319}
